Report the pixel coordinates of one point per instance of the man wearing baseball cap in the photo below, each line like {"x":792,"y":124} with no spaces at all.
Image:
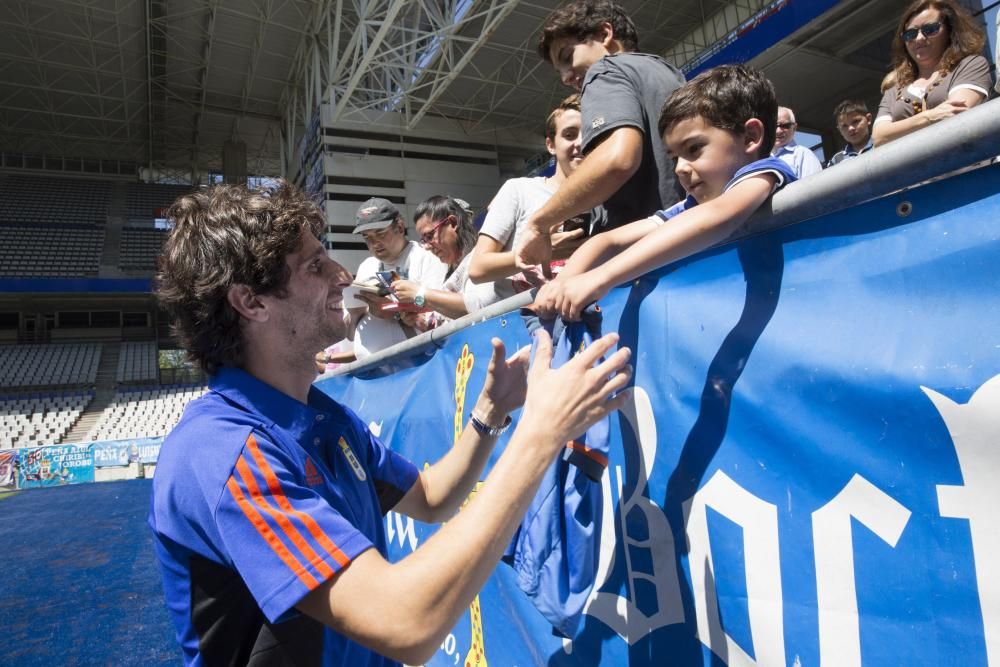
{"x":383,"y":230}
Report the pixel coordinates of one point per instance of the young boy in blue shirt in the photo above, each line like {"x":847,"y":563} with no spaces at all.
{"x":719,"y":128}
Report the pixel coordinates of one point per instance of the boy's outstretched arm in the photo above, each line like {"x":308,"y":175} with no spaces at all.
{"x":491,"y":262}
{"x":597,"y":250}
{"x":687,"y":233}
{"x":602,"y":247}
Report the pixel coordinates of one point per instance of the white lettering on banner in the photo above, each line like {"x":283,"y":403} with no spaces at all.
{"x":836,"y":593}
{"x":620,"y":613}
{"x":403,"y":527}
{"x":759,"y":521}
{"x":149,"y":452}
{"x":975,"y":432}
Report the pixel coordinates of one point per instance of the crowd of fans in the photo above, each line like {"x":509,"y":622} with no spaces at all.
{"x":938,"y":71}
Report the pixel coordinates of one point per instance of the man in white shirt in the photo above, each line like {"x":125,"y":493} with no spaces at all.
{"x":802,"y":160}
{"x":383,"y":230}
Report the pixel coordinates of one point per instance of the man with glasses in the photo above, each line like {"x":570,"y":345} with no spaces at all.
{"x":802,"y":160}
{"x":383,"y":229}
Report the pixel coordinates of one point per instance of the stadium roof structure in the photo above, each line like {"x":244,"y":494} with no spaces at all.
{"x":166,"y":83}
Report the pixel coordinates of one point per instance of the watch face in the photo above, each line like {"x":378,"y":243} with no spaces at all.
{"x":419,"y":300}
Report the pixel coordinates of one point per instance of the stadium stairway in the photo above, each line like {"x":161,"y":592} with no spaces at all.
{"x":86,"y":422}
{"x":107,"y":373}
{"x":110,"y":255}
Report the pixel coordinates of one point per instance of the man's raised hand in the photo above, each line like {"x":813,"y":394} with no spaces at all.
{"x":562,"y":403}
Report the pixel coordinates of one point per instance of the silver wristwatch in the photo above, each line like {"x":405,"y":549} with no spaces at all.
{"x":486,"y":430}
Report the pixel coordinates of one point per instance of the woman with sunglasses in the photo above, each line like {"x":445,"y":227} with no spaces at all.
{"x":444,"y":227}
{"x":939,"y":70}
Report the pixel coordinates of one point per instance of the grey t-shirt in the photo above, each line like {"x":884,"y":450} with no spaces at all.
{"x":972,"y":72}
{"x":628,"y":90}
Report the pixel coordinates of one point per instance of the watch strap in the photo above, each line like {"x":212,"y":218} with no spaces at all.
{"x":485,"y":429}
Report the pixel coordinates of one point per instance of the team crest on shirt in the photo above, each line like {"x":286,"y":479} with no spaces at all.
{"x":352,"y":459}
{"x":597,"y":123}
{"x":313,"y":478}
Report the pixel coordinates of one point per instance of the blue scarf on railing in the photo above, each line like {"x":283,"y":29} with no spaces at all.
{"x":555,"y":550}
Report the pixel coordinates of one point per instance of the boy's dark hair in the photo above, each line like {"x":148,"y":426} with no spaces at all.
{"x":850,"y":107}
{"x":726,"y":97}
{"x":224,"y":236}
{"x":582,"y":19}
{"x":571,"y":103}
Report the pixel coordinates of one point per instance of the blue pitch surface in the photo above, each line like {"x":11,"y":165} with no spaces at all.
{"x":80,"y":584}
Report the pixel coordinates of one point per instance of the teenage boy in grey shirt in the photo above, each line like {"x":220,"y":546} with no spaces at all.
{"x":592,"y":44}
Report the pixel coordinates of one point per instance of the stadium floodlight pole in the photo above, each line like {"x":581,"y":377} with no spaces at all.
{"x":362,"y":68}
{"x":149,"y":87}
{"x":333,"y":41}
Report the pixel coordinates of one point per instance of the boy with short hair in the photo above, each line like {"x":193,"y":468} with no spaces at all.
{"x":854,"y":122}
{"x":720,"y":129}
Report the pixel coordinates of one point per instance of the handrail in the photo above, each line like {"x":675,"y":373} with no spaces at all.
{"x":433,"y":337}
{"x":972,"y":136}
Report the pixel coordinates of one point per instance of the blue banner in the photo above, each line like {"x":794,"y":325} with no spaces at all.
{"x":54,"y":465}
{"x":807,"y":474}
{"x":123,"y":452}
{"x":103,"y":285}
{"x":769,"y":25}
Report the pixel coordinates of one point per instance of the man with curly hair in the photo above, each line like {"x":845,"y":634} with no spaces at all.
{"x":268,"y":501}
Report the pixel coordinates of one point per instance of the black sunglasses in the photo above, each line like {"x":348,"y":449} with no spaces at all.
{"x":927,"y":30}
{"x":786,"y":126}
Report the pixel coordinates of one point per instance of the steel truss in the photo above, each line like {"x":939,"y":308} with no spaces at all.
{"x":166,"y":83}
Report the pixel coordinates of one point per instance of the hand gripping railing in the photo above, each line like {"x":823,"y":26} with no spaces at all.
{"x":970,"y":137}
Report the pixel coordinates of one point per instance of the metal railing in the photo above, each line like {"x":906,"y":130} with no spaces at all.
{"x":969,"y":138}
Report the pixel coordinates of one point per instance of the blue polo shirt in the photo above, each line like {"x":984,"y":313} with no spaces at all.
{"x":257,"y":500}
{"x":782,"y":173}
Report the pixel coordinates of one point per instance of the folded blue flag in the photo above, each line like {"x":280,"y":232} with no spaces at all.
{"x":555,"y":550}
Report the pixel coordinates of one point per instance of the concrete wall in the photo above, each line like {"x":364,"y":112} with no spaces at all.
{"x":380,"y":157}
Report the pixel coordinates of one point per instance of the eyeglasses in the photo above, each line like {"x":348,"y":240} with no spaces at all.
{"x":927,"y":30}
{"x":428,"y":237}
{"x":786,"y":126}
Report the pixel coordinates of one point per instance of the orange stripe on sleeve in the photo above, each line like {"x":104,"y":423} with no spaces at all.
{"x":269,"y":536}
{"x":274,"y":486}
{"x":286,"y":526}
{"x":591,"y":454}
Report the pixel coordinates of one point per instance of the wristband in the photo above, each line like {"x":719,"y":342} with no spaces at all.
{"x":485,"y":429}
